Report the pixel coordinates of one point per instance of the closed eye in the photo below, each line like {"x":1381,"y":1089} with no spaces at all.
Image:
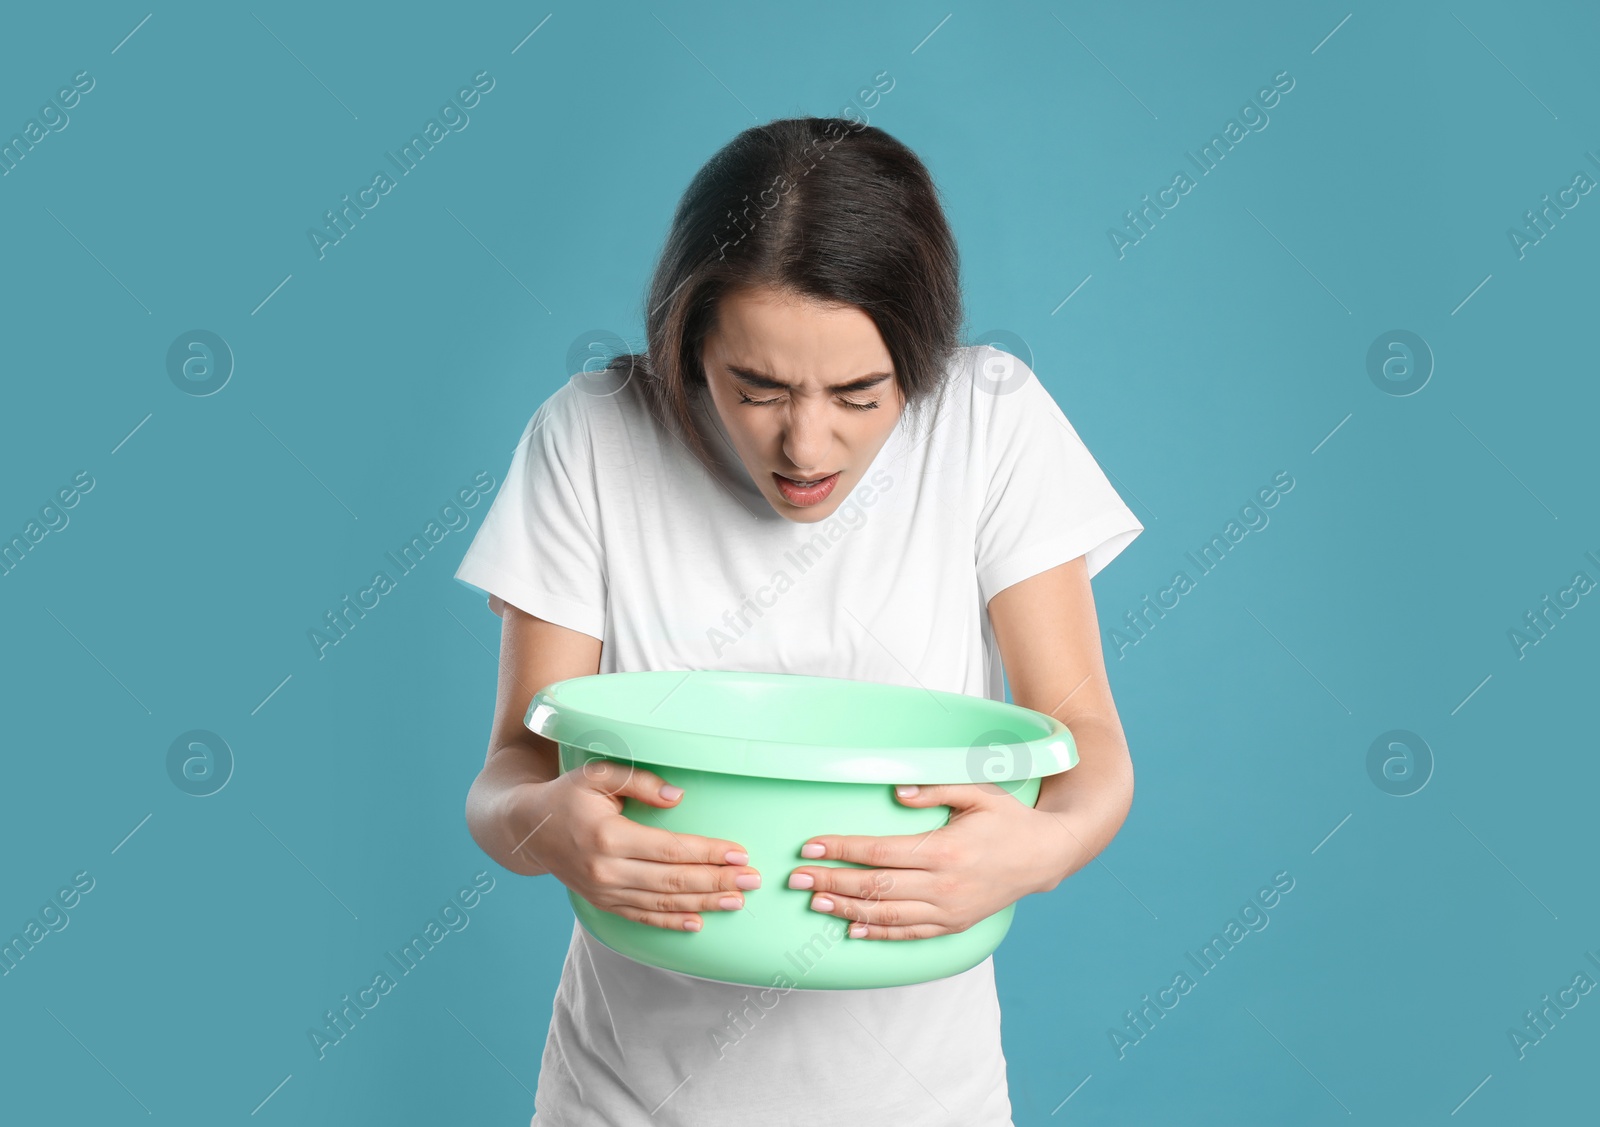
{"x":743,"y":398}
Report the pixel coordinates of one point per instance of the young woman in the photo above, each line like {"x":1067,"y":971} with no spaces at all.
{"x":805,"y":473}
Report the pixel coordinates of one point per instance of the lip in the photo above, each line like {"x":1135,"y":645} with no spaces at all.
{"x":811,"y":495}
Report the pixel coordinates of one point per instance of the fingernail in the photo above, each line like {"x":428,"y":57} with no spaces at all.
{"x":730,"y":903}
{"x":748,"y":880}
{"x":812,"y":850}
{"x":800,"y":880}
{"x":822,"y":904}
{"x":906,"y":792}
{"x":691,"y":925}
{"x":736,"y":857}
{"x":858,"y":931}
{"x":670,"y":792}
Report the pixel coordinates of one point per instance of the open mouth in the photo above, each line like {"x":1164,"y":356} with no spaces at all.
{"x":808,"y":492}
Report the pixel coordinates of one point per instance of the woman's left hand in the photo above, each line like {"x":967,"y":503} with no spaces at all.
{"x":993,"y":852}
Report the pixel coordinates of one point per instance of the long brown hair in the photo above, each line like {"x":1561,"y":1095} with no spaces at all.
{"x":822,"y":207}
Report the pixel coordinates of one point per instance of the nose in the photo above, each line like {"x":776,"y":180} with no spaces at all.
{"x":807,"y":439}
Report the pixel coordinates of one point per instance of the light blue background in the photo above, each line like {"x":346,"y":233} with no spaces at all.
{"x":1229,"y":345}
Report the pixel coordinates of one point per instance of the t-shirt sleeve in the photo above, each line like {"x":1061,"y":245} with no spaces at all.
{"x":538,"y":547}
{"x":1046,"y":500}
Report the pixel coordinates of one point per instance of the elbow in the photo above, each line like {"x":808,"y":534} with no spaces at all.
{"x":1125,"y":787}
{"x":1118,"y":795}
{"x":475,"y":814}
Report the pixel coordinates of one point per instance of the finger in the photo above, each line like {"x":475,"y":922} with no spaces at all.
{"x":668,"y":903}
{"x":911,"y":931}
{"x":670,"y":921}
{"x":958,"y":795}
{"x":623,"y":837}
{"x":893,"y":851}
{"x":867,"y":884}
{"x":888,"y":919}
{"x":884,"y":913}
{"x":658,"y":876}
{"x":626,"y":780}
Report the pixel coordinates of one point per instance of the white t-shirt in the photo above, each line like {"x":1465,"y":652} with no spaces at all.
{"x":608,"y":525}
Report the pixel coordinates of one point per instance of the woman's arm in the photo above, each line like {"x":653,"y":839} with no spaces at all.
{"x":533,"y":653}
{"x":995,"y":850}
{"x":532,"y":818}
{"x":1049,"y":639}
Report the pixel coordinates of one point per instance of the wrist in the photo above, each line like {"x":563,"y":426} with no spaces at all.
{"x":503,"y":818}
{"x":1069,"y":844}
{"x":524,"y":812}
{"x":1085,"y":813}
{"x":1063,"y":850}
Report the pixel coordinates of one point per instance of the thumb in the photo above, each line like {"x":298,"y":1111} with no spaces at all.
{"x":627,"y":780}
{"x":960,"y":796}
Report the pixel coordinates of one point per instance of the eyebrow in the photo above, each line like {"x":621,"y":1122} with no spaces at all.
{"x":768,"y":383}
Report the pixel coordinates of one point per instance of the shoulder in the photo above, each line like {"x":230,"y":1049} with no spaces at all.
{"x":981,"y":380}
{"x":997,"y":376}
{"x":988,"y":391}
{"x":596,"y":419}
{"x":571,"y":412}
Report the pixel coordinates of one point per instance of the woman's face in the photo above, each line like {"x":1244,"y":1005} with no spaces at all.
{"x":807,"y":393}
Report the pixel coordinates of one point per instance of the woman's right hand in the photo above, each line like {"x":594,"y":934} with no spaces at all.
{"x":574,"y":828}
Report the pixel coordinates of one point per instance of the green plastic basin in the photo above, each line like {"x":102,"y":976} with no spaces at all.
{"x":770,"y":760}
